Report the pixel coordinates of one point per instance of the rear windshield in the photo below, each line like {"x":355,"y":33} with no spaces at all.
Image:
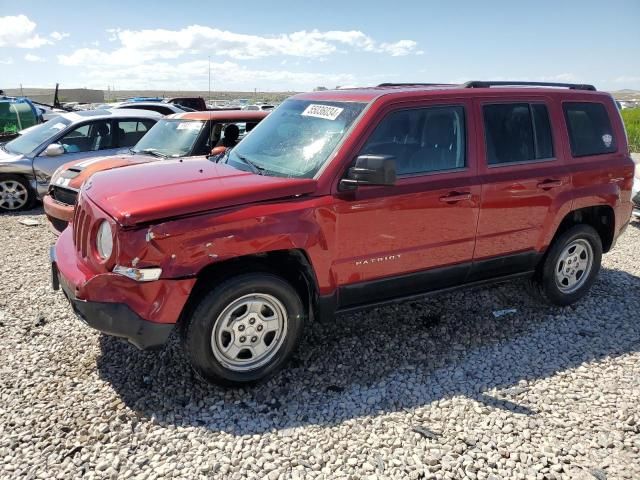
{"x":590,"y":131}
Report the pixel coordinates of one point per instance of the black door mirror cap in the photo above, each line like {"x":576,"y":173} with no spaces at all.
{"x":370,"y":170}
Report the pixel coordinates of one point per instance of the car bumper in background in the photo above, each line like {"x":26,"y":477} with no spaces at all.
{"x":58,"y":214}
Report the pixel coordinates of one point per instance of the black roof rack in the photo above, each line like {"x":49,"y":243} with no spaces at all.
{"x":488,"y":84}
{"x":413,"y":84}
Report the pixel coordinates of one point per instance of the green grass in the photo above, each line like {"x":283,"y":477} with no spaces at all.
{"x":631,"y":117}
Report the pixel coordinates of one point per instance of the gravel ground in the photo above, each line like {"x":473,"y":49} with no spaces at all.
{"x":434,"y":389}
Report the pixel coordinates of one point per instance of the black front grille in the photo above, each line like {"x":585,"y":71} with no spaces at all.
{"x":63,"y":195}
{"x":82,"y":222}
{"x":58,"y":224}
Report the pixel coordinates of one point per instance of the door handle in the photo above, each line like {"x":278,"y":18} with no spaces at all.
{"x":455,"y":197}
{"x":547,"y":184}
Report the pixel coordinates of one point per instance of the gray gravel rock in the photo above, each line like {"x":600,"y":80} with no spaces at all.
{"x":434,"y":389}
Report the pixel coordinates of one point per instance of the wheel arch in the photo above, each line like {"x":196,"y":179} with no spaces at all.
{"x":601,"y":217}
{"x":292,"y":265}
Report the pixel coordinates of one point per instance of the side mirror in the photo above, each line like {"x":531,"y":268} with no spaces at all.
{"x":54,"y":150}
{"x":370,"y":170}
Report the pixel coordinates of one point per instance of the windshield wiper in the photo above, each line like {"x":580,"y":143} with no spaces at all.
{"x":152,"y":151}
{"x":254,"y":168}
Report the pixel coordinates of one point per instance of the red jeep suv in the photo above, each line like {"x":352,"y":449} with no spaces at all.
{"x":346,"y":199}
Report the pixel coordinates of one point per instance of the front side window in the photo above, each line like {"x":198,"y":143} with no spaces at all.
{"x":36,"y":136}
{"x":421,"y":140}
{"x":296,"y":139}
{"x":590,"y":131}
{"x":170,"y":138}
{"x":517,"y":132}
{"x":88,"y":138}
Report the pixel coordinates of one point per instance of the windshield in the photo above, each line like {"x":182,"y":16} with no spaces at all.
{"x":29,"y":141}
{"x":171,"y":138}
{"x":296,"y":139}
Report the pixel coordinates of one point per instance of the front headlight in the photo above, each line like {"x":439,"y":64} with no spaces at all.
{"x":56,"y":174}
{"x":104,"y":240}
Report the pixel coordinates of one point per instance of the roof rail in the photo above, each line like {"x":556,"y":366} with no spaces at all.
{"x":488,"y":84}
{"x":413,"y":84}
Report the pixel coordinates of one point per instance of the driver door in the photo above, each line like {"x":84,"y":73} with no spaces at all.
{"x":419,"y":234}
{"x":88,"y":140}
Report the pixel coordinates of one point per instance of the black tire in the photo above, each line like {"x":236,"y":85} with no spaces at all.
{"x":31,"y":196}
{"x":198,"y":328}
{"x":544,"y":283}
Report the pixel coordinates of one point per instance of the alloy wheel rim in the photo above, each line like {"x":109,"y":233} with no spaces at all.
{"x":574,"y":265}
{"x":13,"y":195}
{"x":249,"y":332}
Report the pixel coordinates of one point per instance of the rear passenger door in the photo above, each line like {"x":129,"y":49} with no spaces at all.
{"x":523,"y":172}
{"x":419,"y":234}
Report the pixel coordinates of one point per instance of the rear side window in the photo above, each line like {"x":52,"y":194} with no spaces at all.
{"x":130,"y":132}
{"x":517,"y":132}
{"x":589,"y":127}
{"x":421,"y":140}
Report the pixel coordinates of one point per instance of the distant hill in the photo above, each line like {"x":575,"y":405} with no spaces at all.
{"x":626,"y":94}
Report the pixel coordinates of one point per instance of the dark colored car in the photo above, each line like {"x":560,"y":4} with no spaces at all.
{"x":343,"y":200}
{"x":194,"y":103}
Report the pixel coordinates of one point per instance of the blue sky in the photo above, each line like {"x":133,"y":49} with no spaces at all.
{"x":297,"y":45}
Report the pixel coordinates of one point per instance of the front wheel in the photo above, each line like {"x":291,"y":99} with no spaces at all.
{"x":15,"y":193}
{"x":570,"y":267}
{"x":245,"y":329}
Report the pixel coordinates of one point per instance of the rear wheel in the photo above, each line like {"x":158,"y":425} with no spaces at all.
{"x":15,"y":193}
{"x":245,"y":329}
{"x":570,"y":267}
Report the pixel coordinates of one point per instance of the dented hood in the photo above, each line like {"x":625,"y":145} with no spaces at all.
{"x":73,"y":174}
{"x":170,"y":188}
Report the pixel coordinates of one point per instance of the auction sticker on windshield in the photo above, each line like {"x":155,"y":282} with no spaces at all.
{"x":189,"y":126}
{"x":322,"y":111}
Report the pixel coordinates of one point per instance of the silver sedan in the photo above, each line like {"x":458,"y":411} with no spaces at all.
{"x":28,"y":161}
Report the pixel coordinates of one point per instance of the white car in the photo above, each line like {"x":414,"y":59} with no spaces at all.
{"x":635,"y":193}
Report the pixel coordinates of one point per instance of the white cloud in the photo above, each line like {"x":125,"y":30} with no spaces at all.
{"x":19,"y":31}
{"x":161,"y":58}
{"x":152,"y":44}
{"x":6,"y":61}
{"x":401,"y":48}
{"x":29,"y":57}
{"x":57,"y":36}
{"x":193,"y":75}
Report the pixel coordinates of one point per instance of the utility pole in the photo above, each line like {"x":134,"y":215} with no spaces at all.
{"x":209,"y":78}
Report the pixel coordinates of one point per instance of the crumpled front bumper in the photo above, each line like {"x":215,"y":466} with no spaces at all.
{"x":145,"y":313}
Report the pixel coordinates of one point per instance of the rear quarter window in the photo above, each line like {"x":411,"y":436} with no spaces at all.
{"x":589,"y":128}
